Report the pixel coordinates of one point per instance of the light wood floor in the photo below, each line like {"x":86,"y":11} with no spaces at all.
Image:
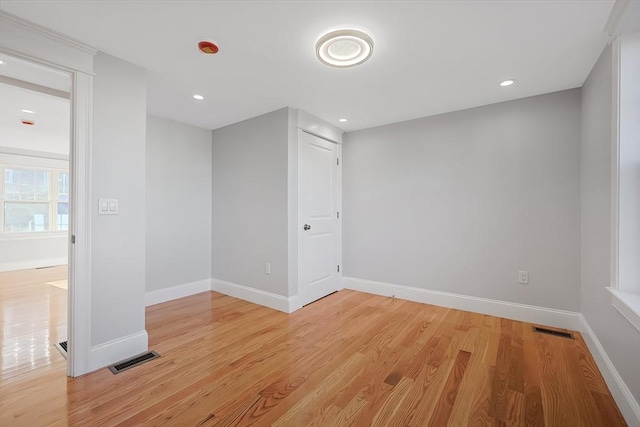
{"x":349,"y":359}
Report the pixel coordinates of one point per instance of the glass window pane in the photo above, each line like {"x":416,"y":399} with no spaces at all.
{"x":26,"y":217}
{"x":27,"y":176}
{"x":11,"y":192}
{"x":42,"y":192}
{"x":63,"y":186}
{"x":63,"y":216}
{"x":42,"y":178}
{"x":27,"y":192}
{"x":11,"y":176}
{"x":27,"y":184}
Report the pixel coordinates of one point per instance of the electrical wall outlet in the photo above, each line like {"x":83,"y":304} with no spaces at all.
{"x":523,"y":277}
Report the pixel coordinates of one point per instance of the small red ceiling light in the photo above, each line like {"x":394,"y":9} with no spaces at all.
{"x":28,"y":122}
{"x":208,"y":47}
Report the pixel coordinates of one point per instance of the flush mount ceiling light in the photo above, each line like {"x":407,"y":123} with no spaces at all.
{"x":28,"y":111}
{"x":344,"y":48}
{"x":343,"y":120}
{"x":507,"y":83}
{"x":198,"y":97}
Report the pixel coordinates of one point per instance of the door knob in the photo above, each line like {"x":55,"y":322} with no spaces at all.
{"x":307,"y":227}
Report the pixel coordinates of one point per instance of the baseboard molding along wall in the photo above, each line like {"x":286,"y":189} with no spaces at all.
{"x":621,"y":394}
{"x":119,"y":349}
{"x":30,"y":264}
{"x":175,"y":292}
{"x":256,"y":296}
{"x":522,"y":312}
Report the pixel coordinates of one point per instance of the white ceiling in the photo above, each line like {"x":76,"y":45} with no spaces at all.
{"x":50,"y":133}
{"x":430,"y":57}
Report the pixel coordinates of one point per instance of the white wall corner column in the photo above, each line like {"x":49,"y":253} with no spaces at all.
{"x":32,"y":42}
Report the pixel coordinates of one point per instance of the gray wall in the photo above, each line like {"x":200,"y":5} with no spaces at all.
{"x":462,"y":201}
{"x":178,"y":220}
{"x":118,"y":172}
{"x":249,"y":207}
{"x":619,"y":338}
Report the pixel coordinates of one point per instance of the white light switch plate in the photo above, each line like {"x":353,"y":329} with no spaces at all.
{"x":107,"y":206}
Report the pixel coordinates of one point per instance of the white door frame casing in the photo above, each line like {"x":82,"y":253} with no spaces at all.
{"x":31,"y":42}
{"x":310,"y":124}
{"x":306,"y":141}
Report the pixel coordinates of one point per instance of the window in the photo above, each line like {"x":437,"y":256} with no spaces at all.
{"x":34,"y":199}
{"x":625,"y":268}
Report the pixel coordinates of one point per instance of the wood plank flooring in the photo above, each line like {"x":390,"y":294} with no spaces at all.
{"x":349,"y":359}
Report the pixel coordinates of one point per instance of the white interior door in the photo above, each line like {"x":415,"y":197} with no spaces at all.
{"x":318,"y":218}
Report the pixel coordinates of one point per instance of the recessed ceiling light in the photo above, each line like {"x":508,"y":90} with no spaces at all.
{"x":28,"y":111}
{"x":198,"y":97}
{"x":344,"y":48}
{"x":507,"y":83}
{"x":342,"y":120}
{"x":1,"y":62}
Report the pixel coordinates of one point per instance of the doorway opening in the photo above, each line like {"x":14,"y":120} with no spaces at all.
{"x":35,"y":187}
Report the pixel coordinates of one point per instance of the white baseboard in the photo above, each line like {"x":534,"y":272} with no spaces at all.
{"x":175,"y":292}
{"x":31,"y":264}
{"x":256,"y":296}
{"x":510,"y":310}
{"x":621,"y":394}
{"x":114,"y":351}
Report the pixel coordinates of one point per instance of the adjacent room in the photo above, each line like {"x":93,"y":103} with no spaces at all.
{"x":323,"y":213}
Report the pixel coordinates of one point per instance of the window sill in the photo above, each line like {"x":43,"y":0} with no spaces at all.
{"x":627,"y":304}
{"x":33,"y":235}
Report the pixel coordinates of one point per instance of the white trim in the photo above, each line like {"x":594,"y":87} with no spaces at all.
{"x":35,"y":235}
{"x":31,"y":42}
{"x":34,"y":87}
{"x":116,"y":350}
{"x":12,"y":151}
{"x":318,"y":127}
{"x":617,"y":12}
{"x":615,"y":159}
{"x":256,"y":296}
{"x":40,"y":43}
{"x":32,"y":263}
{"x":627,"y":304}
{"x":510,"y":310}
{"x":619,"y":390}
{"x":175,"y":292}
{"x":79,"y":305}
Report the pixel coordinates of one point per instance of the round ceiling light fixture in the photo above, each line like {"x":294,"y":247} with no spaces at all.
{"x":507,"y":82}
{"x":198,"y":97}
{"x":344,"y":48}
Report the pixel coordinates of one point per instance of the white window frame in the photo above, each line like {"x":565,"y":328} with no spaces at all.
{"x":52,"y":201}
{"x":625,"y":296}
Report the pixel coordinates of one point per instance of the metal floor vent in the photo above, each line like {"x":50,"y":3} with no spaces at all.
{"x":133,"y":362}
{"x":553,"y":332}
{"x":62,"y":348}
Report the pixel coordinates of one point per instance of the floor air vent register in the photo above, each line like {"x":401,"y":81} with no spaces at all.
{"x":133,"y":362}
{"x":553,"y":332}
